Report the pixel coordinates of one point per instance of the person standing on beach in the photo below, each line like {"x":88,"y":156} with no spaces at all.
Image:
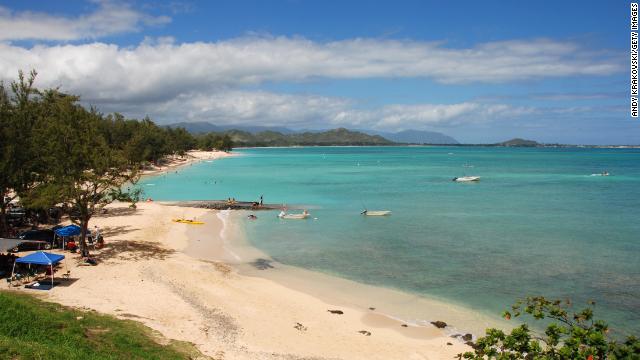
{"x":261,"y":200}
{"x":96,"y":233}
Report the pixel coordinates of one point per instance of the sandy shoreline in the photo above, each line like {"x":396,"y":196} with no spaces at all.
{"x":145,"y":275}
{"x":197,"y":284}
{"x":173,"y":163}
{"x":399,"y":305}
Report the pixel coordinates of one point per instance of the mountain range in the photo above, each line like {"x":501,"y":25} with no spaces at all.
{"x":271,"y":133}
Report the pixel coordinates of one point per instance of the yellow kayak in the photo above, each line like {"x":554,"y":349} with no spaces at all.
{"x":186,"y":221}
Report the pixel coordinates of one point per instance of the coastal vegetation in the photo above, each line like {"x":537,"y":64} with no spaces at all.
{"x":567,"y":335}
{"x":34,"y":329}
{"x":54,"y":151}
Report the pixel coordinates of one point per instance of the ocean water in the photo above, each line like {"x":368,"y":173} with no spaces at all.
{"x":537,"y":223}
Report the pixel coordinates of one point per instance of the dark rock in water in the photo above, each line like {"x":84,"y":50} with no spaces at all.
{"x":472,"y":344}
{"x":339,"y":312}
{"x":439,"y":324}
{"x":404,"y":325}
{"x":467,"y":337}
{"x":449,"y":343}
{"x":365,"y":332}
{"x":262,"y":264}
{"x":372,"y":308}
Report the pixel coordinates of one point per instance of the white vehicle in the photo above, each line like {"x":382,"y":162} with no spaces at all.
{"x":466,"y":178}
{"x":305,"y":214}
{"x":376,"y":212}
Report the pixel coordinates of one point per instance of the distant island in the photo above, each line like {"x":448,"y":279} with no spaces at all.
{"x":517,"y":142}
{"x":417,"y":137}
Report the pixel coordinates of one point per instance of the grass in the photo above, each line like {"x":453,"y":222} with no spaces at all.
{"x":33,"y":329}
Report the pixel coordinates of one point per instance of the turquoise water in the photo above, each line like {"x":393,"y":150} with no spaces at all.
{"x":537,"y":222}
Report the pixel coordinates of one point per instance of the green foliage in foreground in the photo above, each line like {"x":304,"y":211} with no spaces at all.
{"x":34,"y":329}
{"x":567,"y":336}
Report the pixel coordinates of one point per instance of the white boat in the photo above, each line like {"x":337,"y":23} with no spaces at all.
{"x":604,"y":173}
{"x":376,"y":212}
{"x":466,"y":178}
{"x":305,"y":214}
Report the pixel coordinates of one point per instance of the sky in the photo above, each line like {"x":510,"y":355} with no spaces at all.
{"x":480,"y":71}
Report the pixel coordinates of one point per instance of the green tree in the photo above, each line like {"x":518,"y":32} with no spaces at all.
{"x":81,"y":168}
{"x":6,"y":150}
{"x":19,"y":113}
{"x":180,"y":141}
{"x":567,"y":336}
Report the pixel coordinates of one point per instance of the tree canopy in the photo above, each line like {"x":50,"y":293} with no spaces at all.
{"x":53,"y":150}
{"x":568,"y":335}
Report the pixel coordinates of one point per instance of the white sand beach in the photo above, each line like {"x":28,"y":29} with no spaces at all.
{"x":144,"y":275}
{"x":173,"y":163}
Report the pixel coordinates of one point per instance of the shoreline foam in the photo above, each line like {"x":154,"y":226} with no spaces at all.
{"x":145,"y":274}
{"x":396,"y":305}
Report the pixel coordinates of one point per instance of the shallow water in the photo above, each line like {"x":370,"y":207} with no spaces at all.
{"x":537,"y":222}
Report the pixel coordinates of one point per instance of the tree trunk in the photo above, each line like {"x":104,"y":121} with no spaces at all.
{"x":84,"y":224}
{"x":4,"y":227}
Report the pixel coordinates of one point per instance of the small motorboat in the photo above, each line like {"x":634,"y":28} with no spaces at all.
{"x":305,"y":214}
{"x":188,"y":221}
{"x":376,"y":212}
{"x":466,"y":178}
{"x":604,"y":173}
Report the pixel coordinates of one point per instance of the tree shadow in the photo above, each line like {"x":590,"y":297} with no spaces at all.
{"x":119,"y":211}
{"x":111,"y":231}
{"x":132,"y":250}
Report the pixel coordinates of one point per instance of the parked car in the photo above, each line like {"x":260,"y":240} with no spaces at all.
{"x":37,"y":240}
{"x":16,"y":216}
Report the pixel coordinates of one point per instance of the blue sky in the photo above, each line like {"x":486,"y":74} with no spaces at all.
{"x":479,"y":71}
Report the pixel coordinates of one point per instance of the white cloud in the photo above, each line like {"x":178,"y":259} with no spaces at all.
{"x":420,"y":116}
{"x":319,"y":112}
{"x":109,"y":72}
{"x":108,"y":19}
{"x":209,"y":81}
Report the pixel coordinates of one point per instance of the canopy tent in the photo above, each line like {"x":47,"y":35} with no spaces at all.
{"x":39,"y":258}
{"x":65,"y":232}
{"x":71,"y":230}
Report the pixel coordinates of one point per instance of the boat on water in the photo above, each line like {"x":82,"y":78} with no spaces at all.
{"x":604,"y":173}
{"x":188,"y":221}
{"x":466,"y":178}
{"x":376,"y":212}
{"x":305,"y":214}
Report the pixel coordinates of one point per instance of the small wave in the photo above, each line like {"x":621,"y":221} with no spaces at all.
{"x":223,"y":215}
